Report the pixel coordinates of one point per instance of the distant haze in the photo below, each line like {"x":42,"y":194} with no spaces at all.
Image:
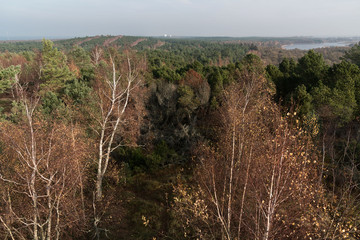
{"x":237,"y":18}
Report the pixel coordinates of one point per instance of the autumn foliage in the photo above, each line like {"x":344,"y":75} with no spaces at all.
{"x":258,"y":180}
{"x":43,"y":172}
{"x":171,"y":143}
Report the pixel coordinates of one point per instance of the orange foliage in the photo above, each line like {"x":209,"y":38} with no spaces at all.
{"x":75,"y":69}
{"x":10,"y":59}
{"x":192,"y":79}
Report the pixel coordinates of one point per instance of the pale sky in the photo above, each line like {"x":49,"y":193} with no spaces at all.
{"x":235,"y":18}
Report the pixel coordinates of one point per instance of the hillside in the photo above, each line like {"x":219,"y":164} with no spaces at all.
{"x":269,"y":49}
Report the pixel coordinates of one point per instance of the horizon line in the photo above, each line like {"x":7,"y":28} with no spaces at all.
{"x":167,"y":36}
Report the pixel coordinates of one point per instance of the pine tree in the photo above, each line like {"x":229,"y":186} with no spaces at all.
{"x":54,"y":70}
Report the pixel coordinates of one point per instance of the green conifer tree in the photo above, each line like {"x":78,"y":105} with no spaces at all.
{"x":54,"y":70}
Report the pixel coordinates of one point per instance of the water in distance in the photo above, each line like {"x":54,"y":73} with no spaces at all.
{"x":308,"y":46}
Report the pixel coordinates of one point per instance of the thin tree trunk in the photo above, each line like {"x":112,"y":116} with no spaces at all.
{"x":269,"y":208}
{"x":99,"y":187}
{"x":244,"y":193}
{"x":231,"y":178}
{"x":35,"y":207}
{"x":50,"y":212}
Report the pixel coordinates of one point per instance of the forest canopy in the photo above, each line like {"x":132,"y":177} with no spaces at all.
{"x":120,"y":137}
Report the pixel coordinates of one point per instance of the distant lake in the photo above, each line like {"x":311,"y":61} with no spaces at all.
{"x":308,"y":46}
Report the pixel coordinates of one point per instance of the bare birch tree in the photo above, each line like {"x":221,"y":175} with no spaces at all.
{"x":96,"y":55}
{"x":256,"y":180}
{"x":42,"y":163}
{"x":118,"y":117}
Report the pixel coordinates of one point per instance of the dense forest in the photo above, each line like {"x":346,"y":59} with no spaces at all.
{"x":119,"y":137}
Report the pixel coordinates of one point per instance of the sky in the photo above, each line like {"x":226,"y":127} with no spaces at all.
{"x":235,"y":18}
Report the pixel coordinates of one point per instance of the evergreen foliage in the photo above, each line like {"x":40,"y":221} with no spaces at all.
{"x":55,"y":72}
{"x":7,"y":77}
{"x":198,"y":139}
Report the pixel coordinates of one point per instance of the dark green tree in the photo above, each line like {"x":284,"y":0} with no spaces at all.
{"x":304,"y":100}
{"x":354,"y":54}
{"x":337,"y":96}
{"x":55,"y":72}
{"x":215,"y":80}
{"x":284,"y":78}
{"x":51,"y":103}
{"x":253,"y":63}
{"x":82,"y":60}
{"x":78,"y":91}
{"x":311,"y":69}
